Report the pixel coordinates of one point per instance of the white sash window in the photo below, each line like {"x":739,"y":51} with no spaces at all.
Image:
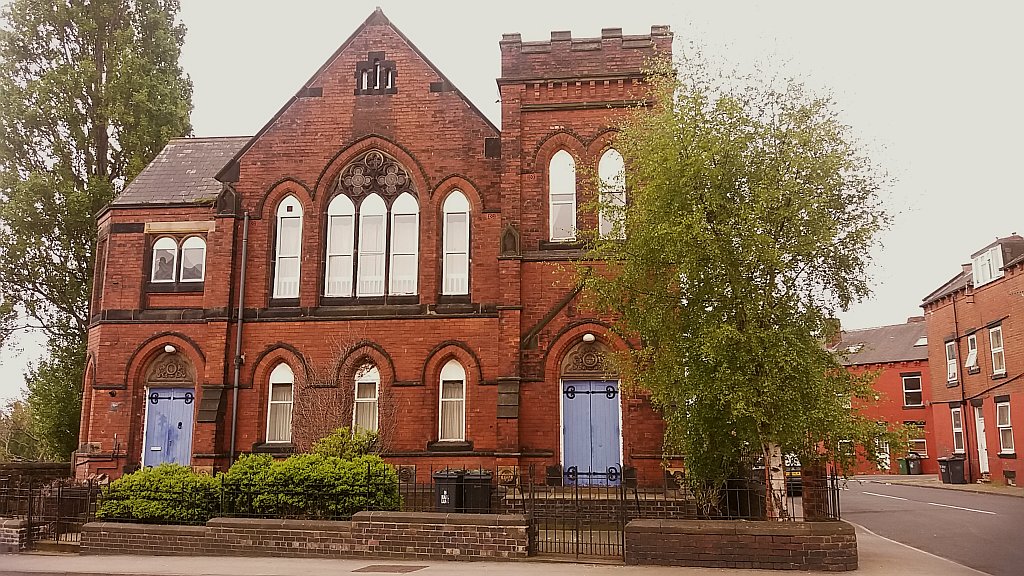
{"x":364,"y":413}
{"x":340,"y":245}
{"x":279,"y":404}
{"x":455,"y":265}
{"x":452,"y":425}
{"x":165,"y":260}
{"x":562,"y":197}
{"x":372,"y":222}
{"x":404,"y":245}
{"x":612,"y":171}
{"x":289,"y":249}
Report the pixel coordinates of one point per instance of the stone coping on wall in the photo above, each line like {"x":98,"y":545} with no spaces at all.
{"x":823,"y":546}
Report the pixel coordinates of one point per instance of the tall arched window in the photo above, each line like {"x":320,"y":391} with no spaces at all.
{"x":452,"y":425}
{"x":404,"y":245}
{"x":279,"y":404}
{"x":367,"y":393}
{"x":612,"y":171}
{"x":341,"y":228}
{"x":288,"y":249}
{"x":372,"y":223}
{"x":562,"y":197}
{"x":165,"y":259}
{"x":455,"y":265}
{"x":193,"y":259}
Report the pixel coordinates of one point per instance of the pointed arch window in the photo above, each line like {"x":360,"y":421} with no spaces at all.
{"x":562,"y":197}
{"x":279,"y":404}
{"x":165,"y":259}
{"x":341,"y":226}
{"x":288,"y":249}
{"x":367,"y":395}
{"x":612,"y":171}
{"x":455,"y":264}
{"x":404,"y":245}
{"x":452,"y":425}
{"x":372,"y":223}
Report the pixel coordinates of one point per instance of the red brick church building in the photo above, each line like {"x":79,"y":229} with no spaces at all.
{"x":400,"y":265}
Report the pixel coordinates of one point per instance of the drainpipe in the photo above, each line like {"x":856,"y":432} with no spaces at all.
{"x":238,"y":334}
{"x":962,"y":377}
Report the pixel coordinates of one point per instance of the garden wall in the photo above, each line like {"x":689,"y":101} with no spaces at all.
{"x":823,"y":546}
{"x":409,"y":535}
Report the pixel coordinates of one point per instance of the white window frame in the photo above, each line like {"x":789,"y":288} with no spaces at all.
{"x":372,"y":205}
{"x":289,"y":208}
{"x":453,"y":371}
{"x":368,"y":374}
{"x":920,"y":389}
{"x":997,"y":351}
{"x":198,"y":243}
{"x":282,"y":374}
{"x":455,"y":279}
{"x":972,"y":352}
{"x":555,"y":183}
{"x":164,"y":243}
{"x":951,"y":369}
{"x":338,"y":277}
{"x":958,"y":431}
{"x":405,"y":205}
{"x":611,"y":169}
{"x":987,"y":266}
{"x":1004,"y":424}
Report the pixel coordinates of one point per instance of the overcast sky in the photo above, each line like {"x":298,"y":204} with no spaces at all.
{"x":932,"y":89}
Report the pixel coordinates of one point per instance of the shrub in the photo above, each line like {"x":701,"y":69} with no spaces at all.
{"x":168,"y":493}
{"x":345,"y":444}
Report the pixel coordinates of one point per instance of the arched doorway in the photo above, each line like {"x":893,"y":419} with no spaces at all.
{"x":170,"y":409}
{"x":591,"y":417}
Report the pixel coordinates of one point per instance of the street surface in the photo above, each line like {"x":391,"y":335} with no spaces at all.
{"x":982,"y":531}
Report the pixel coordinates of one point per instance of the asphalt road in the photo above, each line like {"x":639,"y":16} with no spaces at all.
{"x":982,"y":531}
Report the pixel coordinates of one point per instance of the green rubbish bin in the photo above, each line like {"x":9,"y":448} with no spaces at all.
{"x":903,"y":466}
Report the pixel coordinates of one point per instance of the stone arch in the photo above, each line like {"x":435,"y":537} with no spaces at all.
{"x":446,"y":351}
{"x":274,"y":354}
{"x":458,"y":182}
{"x":551,"y":143}
{"x":277,"y":191}
{"x":350,"y":152}
{"x":569,"y":339}
{"x":135,"y":370}
{"x":364,"y":352}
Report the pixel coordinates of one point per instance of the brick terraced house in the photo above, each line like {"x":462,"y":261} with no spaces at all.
{"x":976,"y":351}
{"x":389,"y":245}
{"x":898,"y":354}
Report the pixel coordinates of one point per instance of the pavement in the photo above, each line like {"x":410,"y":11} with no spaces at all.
{"x":933,"y":481}
{"x":879,"y":556}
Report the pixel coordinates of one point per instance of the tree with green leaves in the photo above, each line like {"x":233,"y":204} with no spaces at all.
{"x":90,"y":91}
{"x":750,"y":220}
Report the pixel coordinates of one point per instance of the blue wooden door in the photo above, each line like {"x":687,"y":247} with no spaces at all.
{"x":590,"y":424}
{"x":168,"y":426}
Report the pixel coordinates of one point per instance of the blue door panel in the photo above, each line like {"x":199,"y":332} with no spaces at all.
{"x":591,"y":432}
{"x":604,"y":431}
{"x":576,"y":425}
{"x":168,"y":426}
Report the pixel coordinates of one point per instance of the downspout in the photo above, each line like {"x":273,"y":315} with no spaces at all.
{"x":238,"y":334}
{"x":962,"y":376}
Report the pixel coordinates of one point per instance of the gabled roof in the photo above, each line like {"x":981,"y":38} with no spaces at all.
{"x":182,"y":173}
{"x":884,"y":344}
{"x":955,"y":284}
{"x":377,"y":18}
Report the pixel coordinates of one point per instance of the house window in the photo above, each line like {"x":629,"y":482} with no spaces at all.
{"x":612,"y":172}
{"x":987,"y":266}
{"x":958,"y":430}
{"x":364,"y":413}
{"x":951,"y":361}
{"x":972,"y":352}
{"x":912,"y":395}
{"x":404,"y":245}
{"x":452,"y":425}
{"x":341,"y":228}
{"x":455,"y":266}
{"x":995,"y":338}
{"x":174,"y":263}
{"x":372,"y":222}
{"x":1005,"y":429}
{"x":916,"y":442}
{"x":289,"y":248}
{"x":279,"y":408}
{"x":562,"y":197}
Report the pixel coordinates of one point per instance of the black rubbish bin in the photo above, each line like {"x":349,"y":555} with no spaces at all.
{"x":476,"y":497}
{"x":913,"y":464}
{"x":448,"y":490}
{"x":943,"y":469}
{"x":956,"y":470}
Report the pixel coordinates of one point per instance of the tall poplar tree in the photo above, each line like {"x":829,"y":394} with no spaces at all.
{"x":750,"y":222}
{"x":90,"y":91}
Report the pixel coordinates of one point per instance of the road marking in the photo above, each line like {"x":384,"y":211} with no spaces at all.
{"x":884,"y":496}
{"x":961,"y":508}
{"x":875,"y":534}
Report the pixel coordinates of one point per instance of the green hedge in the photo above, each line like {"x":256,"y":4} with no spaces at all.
{"x":168,"y":493}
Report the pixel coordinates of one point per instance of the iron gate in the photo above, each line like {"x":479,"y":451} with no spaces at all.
{"x":55,"y":512}
{"x":578,"y":518}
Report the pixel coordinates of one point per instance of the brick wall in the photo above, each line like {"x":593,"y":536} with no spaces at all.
{"x":12,"y":535}
{"x":823,"y":546}
{"x":370,"y":534}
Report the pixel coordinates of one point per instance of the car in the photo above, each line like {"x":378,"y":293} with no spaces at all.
{"x":794,"y":477}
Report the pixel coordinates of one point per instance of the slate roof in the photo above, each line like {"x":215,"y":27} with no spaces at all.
{"x":183,"y":172}
{"x":883,"y":344}
{"x":954,"y":284}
